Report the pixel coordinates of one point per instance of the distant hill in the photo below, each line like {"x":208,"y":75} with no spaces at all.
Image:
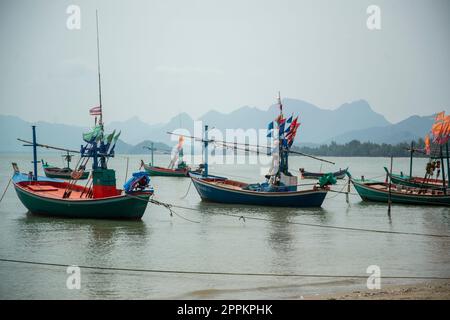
{"x":412,"y":128}
{"x":350,"y":121}
{"x":58,"y":135}
{"x":317,"y":125}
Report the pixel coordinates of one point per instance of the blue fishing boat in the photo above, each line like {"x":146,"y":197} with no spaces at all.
{"x":280,"y":188}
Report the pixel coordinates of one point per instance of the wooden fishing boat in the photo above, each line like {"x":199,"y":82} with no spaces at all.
{"x":416,"y":182}
{"x":315,"y":175}
{"x":166,"y":172}
{"x":223,"y":190}
{"x":379,"y":192}
{"x":98,"y":198}
{"x":280,"y":189}
{"x":177,"y":167}
{"x":62,"y":199}
{"x":61,"y":173}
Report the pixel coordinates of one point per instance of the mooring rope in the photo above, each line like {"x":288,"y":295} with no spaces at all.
{"x":338,"y":192}
{"x":224,"y":273}
{"x":168,"y":206}
{"x":187,"y":192}
{"x":171,"y":206}
{"x":6,"y":189}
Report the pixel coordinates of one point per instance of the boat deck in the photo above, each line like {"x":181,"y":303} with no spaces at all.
{"x":56,"y":190}
{"x":406,"y":190}
{"x":228,"y":184}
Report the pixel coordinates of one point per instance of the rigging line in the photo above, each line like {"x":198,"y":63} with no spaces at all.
{"x":224,"y":143}
{"x":167,"y":205}
{"x":48,"y":146}
{"x":7,"y":186}
{"x":257,"y":274}
{"x":225,"y":146}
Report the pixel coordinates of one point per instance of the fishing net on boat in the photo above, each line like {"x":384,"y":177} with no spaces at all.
{"x":327,"y":179}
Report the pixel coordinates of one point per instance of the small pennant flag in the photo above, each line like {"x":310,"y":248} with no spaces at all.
{"x":290,"y":119}
{"x":95,"y":111}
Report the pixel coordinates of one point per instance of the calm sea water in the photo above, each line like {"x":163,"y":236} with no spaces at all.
{"x":219,"y":243}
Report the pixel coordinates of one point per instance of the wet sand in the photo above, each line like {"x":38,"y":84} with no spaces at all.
{"x":433,"y":290}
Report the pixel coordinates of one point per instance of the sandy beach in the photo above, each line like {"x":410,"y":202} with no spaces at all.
{"x":433,"y":290}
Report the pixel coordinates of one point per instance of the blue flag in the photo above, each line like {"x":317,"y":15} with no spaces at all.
{"x":290,"y":119}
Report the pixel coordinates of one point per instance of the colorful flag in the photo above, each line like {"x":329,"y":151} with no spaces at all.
{"x":95,"y":111}
{"x":290,"y":119}
{"x":440,"y":116}
{"x":427,"y":144}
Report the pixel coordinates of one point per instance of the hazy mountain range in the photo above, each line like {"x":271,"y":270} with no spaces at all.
{"x":355,"y":120}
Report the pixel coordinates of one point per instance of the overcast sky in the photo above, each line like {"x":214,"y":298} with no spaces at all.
{"x":159,"y":58}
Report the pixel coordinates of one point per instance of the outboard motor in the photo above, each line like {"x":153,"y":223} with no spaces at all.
{"x":138,"y":182}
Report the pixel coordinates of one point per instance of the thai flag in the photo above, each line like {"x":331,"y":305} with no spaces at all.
{"x":95,"y":111}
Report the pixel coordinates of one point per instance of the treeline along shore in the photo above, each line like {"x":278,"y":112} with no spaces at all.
{"x":356,"y":148}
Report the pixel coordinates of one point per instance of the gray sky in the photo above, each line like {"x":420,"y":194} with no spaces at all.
{"x":159,"y":58}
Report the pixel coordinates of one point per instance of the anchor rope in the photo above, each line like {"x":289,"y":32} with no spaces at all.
{"x":224,"y":273}
{"x":187,"y":192}
{"x":6,"y":189}
{"x":168,"y":206}
{"x":171,"y":206}
{"x":338,"y":192}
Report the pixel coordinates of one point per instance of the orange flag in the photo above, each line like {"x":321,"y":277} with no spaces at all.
{"x":427,"y":144}
{"x":436,"y":129}
{"x":440,"y":116}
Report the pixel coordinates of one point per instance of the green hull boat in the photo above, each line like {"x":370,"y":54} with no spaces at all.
{"x":43,"y":197}
{"x":416,"y":182}
{"x":379,"y":192}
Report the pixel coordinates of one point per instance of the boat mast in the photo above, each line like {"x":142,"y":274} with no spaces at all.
{"x":283,"y":159}
{"x":205,"y":141}
{"x":443,"y":170}
{"x":153,"y":163}
{"x":411,"y":160}
{"x":98,"y":67}
{"x":448,"y":165}
{"x":34,"y":154}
